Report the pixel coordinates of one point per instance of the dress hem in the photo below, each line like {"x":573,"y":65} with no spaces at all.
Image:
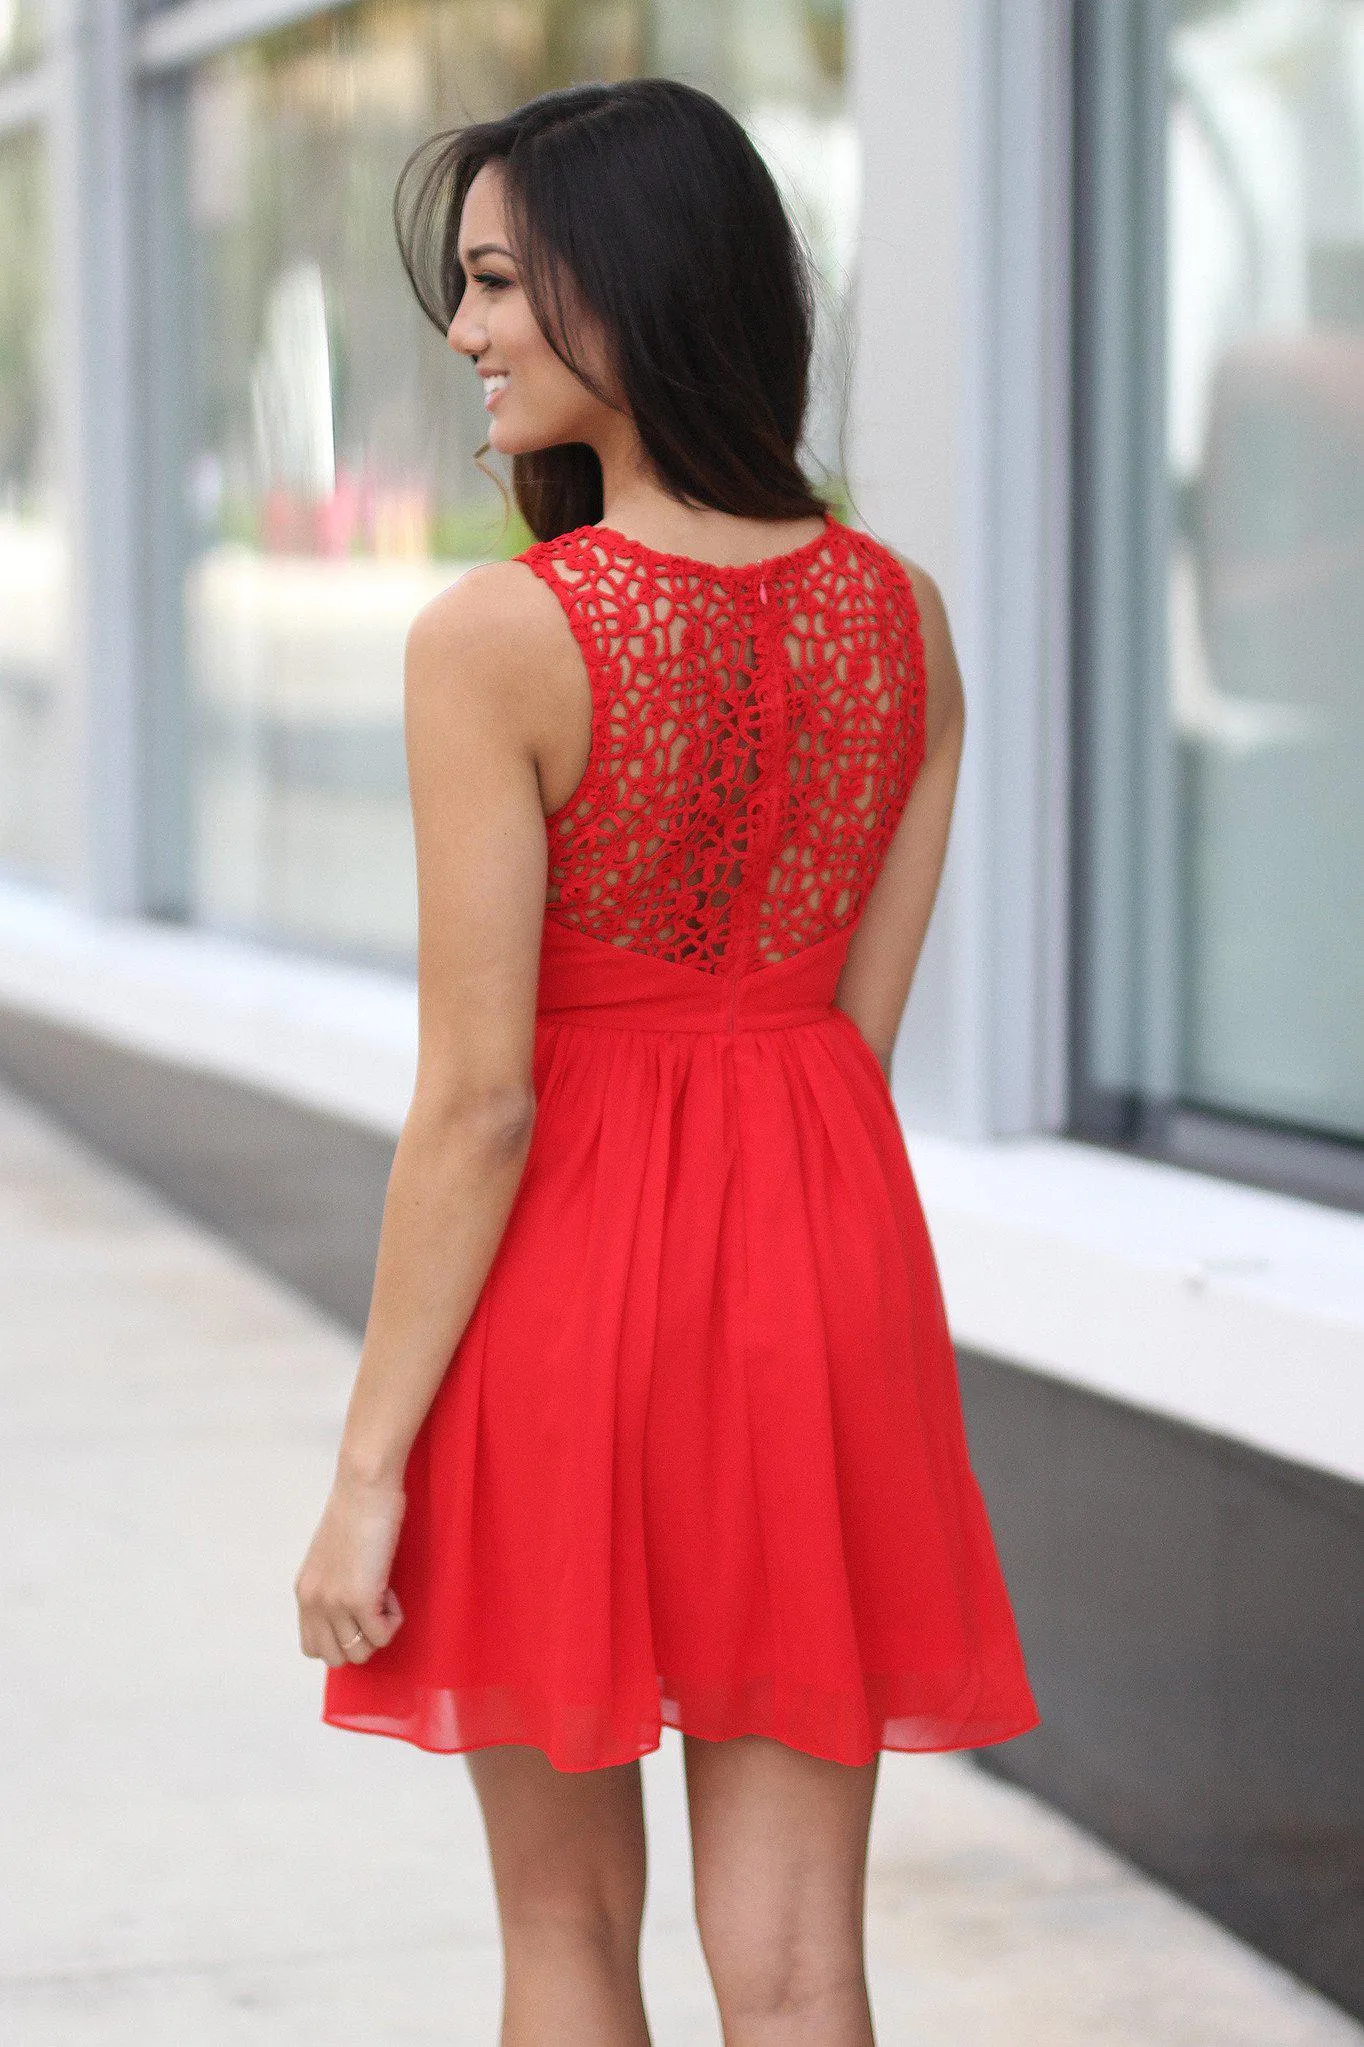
{"x":987,"y":1736}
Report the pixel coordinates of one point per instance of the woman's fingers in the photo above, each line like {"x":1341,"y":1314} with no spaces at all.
{"x":338,"y":1633}
{"x":336,"y":1637}
{"x":375,"y":1629}
{"x":346,"y":1607}
{"x":331,"y":1629}
{"x":317,"y":1637}
{"x":354,"y":1643}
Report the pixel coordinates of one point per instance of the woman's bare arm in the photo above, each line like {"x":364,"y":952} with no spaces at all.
{"x":474,"y":702}
{"x":481,"y":871}
{"x":875,"y":982}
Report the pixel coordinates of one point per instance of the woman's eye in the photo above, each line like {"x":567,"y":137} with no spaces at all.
{"x":486,"y":277}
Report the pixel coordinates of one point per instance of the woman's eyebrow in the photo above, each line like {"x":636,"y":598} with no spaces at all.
{"x":488,"y":249}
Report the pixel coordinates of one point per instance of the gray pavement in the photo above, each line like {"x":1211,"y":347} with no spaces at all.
{"x":190,"y":1858}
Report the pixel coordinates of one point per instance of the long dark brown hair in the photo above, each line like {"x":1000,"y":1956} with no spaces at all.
{"x":646,"y":205}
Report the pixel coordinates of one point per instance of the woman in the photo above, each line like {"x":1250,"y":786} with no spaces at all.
{"x":656,"y":1418}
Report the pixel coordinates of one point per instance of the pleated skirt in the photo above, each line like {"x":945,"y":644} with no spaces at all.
{"x":699,"y":1459}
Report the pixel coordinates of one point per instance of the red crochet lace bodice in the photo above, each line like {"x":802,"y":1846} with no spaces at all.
{"x":755,"y":735}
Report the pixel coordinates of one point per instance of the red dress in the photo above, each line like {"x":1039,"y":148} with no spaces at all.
{"x":698,"y":1459}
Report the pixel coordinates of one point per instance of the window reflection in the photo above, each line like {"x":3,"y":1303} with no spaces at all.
{"x":34,"y":805}
{"x":20,"y":31}
{"x":328,"y":485}
{"x":1266,"y":456}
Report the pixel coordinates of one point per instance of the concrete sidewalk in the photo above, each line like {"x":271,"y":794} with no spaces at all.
{"x":190,"y":1858}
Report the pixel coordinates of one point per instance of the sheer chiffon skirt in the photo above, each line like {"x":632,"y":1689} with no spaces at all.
{"x":699,"y":1457}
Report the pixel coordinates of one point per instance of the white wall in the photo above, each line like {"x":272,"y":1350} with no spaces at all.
{"x":959,"y":458}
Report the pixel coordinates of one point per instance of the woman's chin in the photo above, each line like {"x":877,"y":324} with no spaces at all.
{"x":503,"y":436}
{"x":509,"y":439}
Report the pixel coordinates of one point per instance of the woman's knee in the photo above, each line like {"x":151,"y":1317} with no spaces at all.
{"x":770,"y":1963}
{"x":779,"y":1843}
{"x":567,"y":1848}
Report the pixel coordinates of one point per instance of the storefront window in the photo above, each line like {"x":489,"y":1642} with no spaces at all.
{"x":1266,"y":454}
{"x":323,"y":447}
{"x":1220,"y":572}
{"x":34,"y":796}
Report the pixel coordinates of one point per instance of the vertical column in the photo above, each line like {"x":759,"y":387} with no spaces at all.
{"x":912,"y":406}
{"x":961,"y":459}
{"x":93,"y":90}
{"x":1023,"y":945}
{"x":1128,"y":899}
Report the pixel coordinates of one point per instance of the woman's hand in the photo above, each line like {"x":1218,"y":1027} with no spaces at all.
{"x":346,"y":1606}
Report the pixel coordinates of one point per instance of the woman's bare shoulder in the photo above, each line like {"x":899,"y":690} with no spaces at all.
{"x":498,"y":627}
{"x":927,"y":594}
{"x":498,"y":616}
{"x":943,"y":676}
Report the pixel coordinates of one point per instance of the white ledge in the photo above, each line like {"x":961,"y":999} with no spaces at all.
{"x":1238,"y":1310}
{"x":337,"y":1038}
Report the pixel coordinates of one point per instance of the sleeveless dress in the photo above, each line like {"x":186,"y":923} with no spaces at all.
{"x":698,"y":1459}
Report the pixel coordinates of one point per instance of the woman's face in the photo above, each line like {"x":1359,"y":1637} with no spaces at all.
{"x":533,"y":399}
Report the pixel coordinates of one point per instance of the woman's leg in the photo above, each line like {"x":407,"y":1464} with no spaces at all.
{"x":568,"y":1860}
{"x":779,"y":1853}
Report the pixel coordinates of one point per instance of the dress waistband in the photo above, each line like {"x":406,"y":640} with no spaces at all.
{"x":587,"y":980}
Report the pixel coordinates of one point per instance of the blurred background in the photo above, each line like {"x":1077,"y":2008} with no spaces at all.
{"x":281,"y":473}
{"x":304,"y":440}
{"x":1091,"y":348}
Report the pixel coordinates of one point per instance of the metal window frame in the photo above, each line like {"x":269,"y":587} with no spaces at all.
{"x":175,"y":37}
{"x":91,"y":138}
{"x":1124,"y":791}
{"x":93,"y":90}
{"x":1025,"y":941}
